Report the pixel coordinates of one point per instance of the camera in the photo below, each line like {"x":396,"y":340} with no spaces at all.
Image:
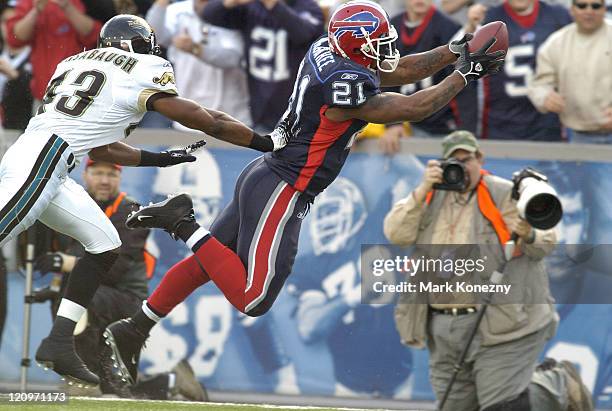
{"x":538,"y":202}
{"x":454,"y":175}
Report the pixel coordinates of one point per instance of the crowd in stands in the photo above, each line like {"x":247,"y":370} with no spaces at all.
{"x":242,"y":56}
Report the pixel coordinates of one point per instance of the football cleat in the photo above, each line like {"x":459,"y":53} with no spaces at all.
{"x":59,"y":355}
{"x":119,"y":355}
{"x":167,"y":214}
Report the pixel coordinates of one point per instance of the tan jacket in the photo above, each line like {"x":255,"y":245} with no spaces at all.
{"x":449,"y":220}
{"x":577,"y":66}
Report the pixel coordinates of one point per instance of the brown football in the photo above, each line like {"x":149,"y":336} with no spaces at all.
{"x":495,"y":29}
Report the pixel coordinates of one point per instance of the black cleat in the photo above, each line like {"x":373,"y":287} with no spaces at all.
{"x":119,"y":356}
{"x":167,"y":214}
{"x":59,"y":355}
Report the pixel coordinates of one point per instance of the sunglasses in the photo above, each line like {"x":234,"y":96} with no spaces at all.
{"x":594,"y":6}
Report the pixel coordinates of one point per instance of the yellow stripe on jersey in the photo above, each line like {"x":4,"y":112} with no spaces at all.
{"x":145,"y":94}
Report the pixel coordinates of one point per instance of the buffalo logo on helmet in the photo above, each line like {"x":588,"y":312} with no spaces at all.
{"x":355,"y":23}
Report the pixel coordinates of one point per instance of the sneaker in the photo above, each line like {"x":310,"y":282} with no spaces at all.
{"x":167,"y":214}
{"x":187,"y":384}
{"x":119,"y":355}
{"x":579,"y":397}
{"x":59,"y":355}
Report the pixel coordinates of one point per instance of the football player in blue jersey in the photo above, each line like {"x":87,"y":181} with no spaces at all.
{"x":507,"y":112}
{"x":250,"y":248}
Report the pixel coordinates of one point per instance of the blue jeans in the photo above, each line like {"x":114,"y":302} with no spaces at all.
{"x":576,"y":137}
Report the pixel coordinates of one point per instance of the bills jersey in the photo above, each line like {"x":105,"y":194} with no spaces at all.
{"x":318,"y":147}
{"x":275,"y":42}
{"x":507,"y":112}
{"x":98,"y":96}
{"x":434,"y":30}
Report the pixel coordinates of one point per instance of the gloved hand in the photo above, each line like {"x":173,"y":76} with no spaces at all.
{"x":456,"y":46}
{"x":49,"y":262}
{"x":473,"y":66}
{"x":170,"y":157}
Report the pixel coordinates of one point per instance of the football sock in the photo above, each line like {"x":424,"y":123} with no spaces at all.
{"x":82,"y":285}
{"x":176,"y":285}
{"x":145,"y":319}
{"x":224,"y":268}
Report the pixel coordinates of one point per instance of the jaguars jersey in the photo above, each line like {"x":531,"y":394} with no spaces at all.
{"x":97,"y":97}
{"x":318,"y":147}
{"x":507,"y":112}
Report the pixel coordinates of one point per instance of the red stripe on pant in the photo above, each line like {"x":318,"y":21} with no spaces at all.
{"x":221,"y":265}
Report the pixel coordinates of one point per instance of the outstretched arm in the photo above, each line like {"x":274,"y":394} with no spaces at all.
{"x":214,"y":123}
{"x":392,"y":107}
{"x":415,"y":67}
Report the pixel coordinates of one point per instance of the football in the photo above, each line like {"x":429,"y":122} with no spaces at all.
{"x":495,"y":29}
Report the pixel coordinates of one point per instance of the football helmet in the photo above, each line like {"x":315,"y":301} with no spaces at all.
{"x":336,"y":216}
{"x":360,"y":31}
{"x":129,"y":33}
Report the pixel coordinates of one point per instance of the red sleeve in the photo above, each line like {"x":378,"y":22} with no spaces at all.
{"x":22,"y":8}
{"x":90,"y":40}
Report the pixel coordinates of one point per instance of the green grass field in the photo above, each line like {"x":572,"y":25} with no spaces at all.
{"x":134,"y":405}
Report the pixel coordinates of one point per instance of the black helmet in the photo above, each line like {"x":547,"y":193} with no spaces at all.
{"x":129,"y":33}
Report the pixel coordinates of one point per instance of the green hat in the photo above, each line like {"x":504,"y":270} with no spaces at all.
{"x":457,"y":140}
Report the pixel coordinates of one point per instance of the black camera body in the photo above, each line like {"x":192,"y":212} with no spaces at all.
{"x":454,"y":176}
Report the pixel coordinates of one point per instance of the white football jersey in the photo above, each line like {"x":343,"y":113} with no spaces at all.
{"x":99,"y":96}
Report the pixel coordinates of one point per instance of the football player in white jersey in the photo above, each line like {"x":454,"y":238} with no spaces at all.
{"x":95,"y":98}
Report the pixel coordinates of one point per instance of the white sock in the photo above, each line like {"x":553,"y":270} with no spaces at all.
{"x":71,"y":310}
{"x":199,"y":234}
{"x":152,"y":316}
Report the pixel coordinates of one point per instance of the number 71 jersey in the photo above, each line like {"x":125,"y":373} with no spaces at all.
{"x":318,"y":147}
{"x":98,"y":96}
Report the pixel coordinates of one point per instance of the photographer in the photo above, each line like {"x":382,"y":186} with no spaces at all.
{"x":479,"y":210}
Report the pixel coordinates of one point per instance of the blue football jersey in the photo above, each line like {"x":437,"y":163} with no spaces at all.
{"x":435,"y":30}
{"x":507,"y":112}
{"x":275,"y":42}
{"x":318,"y":147}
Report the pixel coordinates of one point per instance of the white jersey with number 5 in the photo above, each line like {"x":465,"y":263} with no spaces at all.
{"x":98,"y":96}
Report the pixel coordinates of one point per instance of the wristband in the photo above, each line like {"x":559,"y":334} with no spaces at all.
{"x":261,"y":143}
{"x":149,"y":159}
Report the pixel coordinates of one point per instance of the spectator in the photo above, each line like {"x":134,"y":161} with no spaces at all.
{"x":15,"y":79}
{"x":507,"y":112}
{"x":206,"y":58}
{"x":420,"y":28}
{"x":276,"y":35}
{"x":585,"y":106}
{"x":125,"y":286}
{"x":462,"y":10}
{"x":55,"y":29}
{"x":102,"y":10}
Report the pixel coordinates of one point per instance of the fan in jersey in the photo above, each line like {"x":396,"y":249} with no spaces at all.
{"x":507,"y":112}
{"x":95,"y":99}
{"x":420,"y":28}
{"x":250,"y":248}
